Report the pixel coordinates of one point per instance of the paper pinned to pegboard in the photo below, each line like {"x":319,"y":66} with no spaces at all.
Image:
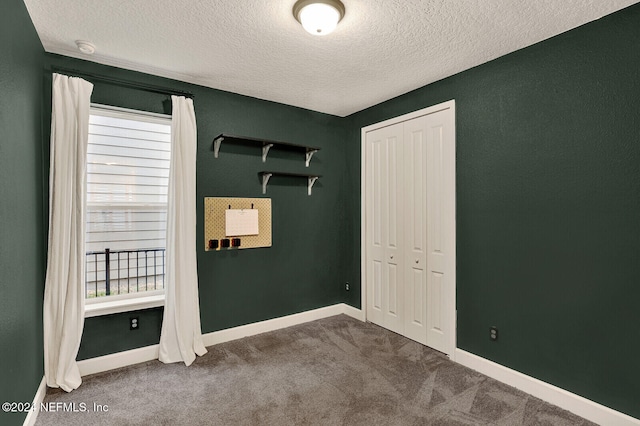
{"x":241,"y":222}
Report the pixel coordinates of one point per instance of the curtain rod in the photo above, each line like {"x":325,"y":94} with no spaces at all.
{"x":123,"y":83}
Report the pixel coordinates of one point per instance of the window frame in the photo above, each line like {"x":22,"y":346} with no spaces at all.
{"x":112,"y":304}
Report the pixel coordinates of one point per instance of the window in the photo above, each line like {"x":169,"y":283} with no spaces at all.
{"x":128,"y":158}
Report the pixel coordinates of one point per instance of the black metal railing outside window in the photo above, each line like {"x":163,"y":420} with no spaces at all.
{"x":111,"y":273}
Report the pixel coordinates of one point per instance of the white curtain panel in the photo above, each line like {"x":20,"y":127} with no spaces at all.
{"x":181,"y":336}
{"x":63,"y":310}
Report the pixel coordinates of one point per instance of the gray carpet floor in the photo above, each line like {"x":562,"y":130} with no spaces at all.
{"x":334,"y":371}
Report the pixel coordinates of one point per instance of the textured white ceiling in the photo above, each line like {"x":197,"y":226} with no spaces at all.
{"x":381,"y":49}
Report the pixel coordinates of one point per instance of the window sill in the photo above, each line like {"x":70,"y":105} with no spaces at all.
{"x":123,"y":305}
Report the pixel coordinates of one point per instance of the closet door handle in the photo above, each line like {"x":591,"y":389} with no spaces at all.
{"x":417,"y":261}
{"x":391,"y":256}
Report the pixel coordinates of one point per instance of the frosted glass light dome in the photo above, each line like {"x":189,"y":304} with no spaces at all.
{"x":318,"y":17}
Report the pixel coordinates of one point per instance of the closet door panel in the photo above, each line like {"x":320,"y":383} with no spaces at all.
{"x":383,"y":158}
{"x":374,"y":249}
{"x":415,"y":220}
{"x":392,"y":210}
{"x":436,"y":206}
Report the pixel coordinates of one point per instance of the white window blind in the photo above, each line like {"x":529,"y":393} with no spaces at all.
{"x":128,"y":159}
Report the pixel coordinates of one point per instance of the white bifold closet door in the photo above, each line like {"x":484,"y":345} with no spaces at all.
{"x":405,"y":205}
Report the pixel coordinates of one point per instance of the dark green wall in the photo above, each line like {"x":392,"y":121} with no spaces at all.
{"x":308,"y":263}
{"x":21,"y":238}
{"x":548,"y":202}
{"x":548,"y":178}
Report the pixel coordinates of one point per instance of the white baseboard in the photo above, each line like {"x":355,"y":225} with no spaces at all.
{"x":118,"y":360}
{"x":354,"y":312}
{"x":32,"y":416}
{"x":234,"y":333}
{"x":583,"y":407}
{"x":150,"y":353}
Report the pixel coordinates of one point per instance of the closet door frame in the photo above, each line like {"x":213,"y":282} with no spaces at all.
{"x":450,"y":188}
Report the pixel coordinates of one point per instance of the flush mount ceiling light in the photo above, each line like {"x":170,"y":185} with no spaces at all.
{"x":85,"y":47}
{"x":318,"y":17}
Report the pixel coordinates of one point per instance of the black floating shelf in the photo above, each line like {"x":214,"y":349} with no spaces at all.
{"x":266,"y":175}
{"x":266,"y":144}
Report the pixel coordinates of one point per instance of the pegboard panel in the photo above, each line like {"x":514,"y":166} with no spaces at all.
{"x":214,"y":221}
